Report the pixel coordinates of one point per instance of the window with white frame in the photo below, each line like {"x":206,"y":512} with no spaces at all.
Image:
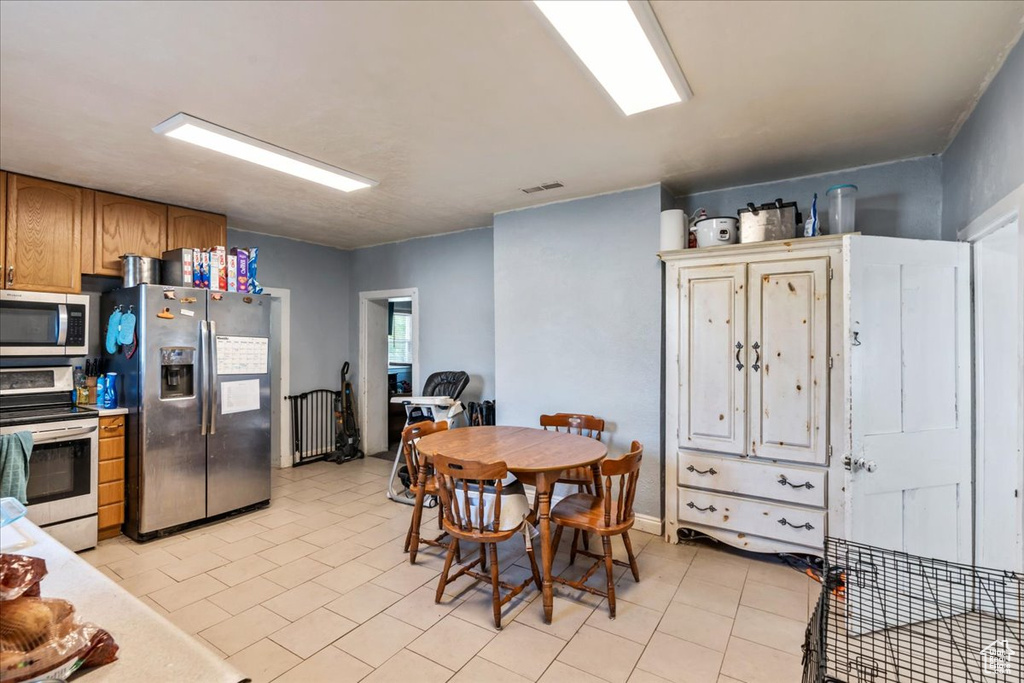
{"x":400,"y":339}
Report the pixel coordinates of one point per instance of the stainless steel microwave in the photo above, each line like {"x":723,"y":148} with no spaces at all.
{"x":43,"y":324}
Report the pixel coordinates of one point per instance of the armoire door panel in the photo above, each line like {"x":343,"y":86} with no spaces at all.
{"x":712,"y":358}
{"x":788,"y":374}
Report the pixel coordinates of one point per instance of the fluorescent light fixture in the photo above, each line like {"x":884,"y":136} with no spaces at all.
{"x":623,"y":46}
{"x":211,"y":136}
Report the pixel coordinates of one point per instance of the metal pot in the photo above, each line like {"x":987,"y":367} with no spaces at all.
{"x":712,"y":232}
{"x":139,"y":270}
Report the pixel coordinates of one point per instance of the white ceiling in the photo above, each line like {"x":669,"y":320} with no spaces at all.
{"x":453,"y":106}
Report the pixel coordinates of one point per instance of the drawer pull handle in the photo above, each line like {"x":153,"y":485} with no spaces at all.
{"x":117,"y":426}
{"x":739,"y":347}
{"x":805,"y":525}
{"x":710,"y":470}
{"x":709,"y":508}
{"x":786,"y":482}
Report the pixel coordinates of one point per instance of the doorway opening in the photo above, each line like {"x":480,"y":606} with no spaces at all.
{"x":281,"y":454}
{"x":388,"y":362}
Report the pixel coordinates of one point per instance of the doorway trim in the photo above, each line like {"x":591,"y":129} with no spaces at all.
{"x":376,"y":415}
{"x":284,"y":422}
{"x":1010,"y":208}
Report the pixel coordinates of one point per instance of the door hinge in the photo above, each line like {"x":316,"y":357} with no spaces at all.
{"x":830,"y":362}
{"x":830,"y":450}
{"x":831,"y":273}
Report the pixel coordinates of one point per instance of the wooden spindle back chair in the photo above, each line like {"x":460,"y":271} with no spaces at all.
{"x":422,"y":484}
{"x":471,"y":498}
{"x":582,"y":478}
{"x":607,"y":515}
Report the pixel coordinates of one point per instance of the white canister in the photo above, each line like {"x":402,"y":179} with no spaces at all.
{"x":673,"y":230}
{"x":712,"y":232}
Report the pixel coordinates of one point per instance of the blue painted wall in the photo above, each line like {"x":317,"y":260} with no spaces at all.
{"x":455,"y":277}
{"x":317,"y":277}
{"x":577,"y":319}
{"x":898,"y":199}
{"x":986,"y":160}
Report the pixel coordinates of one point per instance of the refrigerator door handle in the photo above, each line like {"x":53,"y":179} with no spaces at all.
{"x":204,"y":343}
{"x":213,"y":377}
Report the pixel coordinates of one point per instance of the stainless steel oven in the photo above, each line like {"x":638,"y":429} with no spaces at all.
{"x":64,"y":464}
{"x":43,"y":324}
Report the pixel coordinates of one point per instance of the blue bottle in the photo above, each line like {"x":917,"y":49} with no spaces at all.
{"x":110,"y":391}
{"x":101,"y":390}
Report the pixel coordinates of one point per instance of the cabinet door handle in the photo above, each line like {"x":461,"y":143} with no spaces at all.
{"x":710,"y":470}
{"x":739,"y":347}
{"x":709,"y":508}
{"x":786,"y":482}
{"x":10,"y":275}
{"x":805,"y":525}
{"x":757,"y":357}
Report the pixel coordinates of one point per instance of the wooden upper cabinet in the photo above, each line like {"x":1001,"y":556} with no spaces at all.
{"x":3,"y":229}
{"x":195,"y":229}
{"x":43,"y":235}
{"x":126,"y":226}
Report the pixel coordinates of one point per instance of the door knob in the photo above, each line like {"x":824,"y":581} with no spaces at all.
{"x":859,"y":464}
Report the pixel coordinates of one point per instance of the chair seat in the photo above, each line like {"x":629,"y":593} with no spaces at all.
{"x":429,"y":488}
{"x":586,"y":512}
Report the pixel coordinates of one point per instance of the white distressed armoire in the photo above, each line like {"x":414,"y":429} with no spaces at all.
{"x":820,"y":387}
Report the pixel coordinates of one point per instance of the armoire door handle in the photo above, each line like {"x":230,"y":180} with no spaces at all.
{"x":739,"y":348}
{"x":757,"y":357}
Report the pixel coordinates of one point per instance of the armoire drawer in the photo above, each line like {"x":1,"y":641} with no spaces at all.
{"x":760,"y":518}
{"x":745,"y":477}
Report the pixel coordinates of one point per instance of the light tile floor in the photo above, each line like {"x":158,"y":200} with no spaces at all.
{"x":316,"y":588}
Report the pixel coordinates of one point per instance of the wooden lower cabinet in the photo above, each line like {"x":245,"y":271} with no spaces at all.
{"x":111,"y":476}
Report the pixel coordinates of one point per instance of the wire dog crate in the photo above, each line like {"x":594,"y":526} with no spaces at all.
{"x":886,"y":616}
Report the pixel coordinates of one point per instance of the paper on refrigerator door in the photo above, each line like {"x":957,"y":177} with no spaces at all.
{"x":240,"y":396}
{"x":242,"y":355}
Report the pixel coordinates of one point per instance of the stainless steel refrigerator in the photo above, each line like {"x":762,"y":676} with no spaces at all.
{"x":197,"y":390}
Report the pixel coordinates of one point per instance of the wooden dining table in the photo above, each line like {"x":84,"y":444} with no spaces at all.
{"x":534,"y":455}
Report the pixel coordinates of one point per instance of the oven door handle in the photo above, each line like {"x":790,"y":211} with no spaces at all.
{"x":62,"y":324}
{"x":50,"y":436}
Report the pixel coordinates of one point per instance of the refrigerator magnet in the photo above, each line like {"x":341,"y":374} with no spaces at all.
{"x":185,"y":311}
{"x":165,"y":314}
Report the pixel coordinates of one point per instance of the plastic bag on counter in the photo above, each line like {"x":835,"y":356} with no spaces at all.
{"x":20,"y":576}
{"x":42,"y":638}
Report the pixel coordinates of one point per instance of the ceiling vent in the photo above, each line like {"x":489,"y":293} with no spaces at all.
{"x":554,"y":185}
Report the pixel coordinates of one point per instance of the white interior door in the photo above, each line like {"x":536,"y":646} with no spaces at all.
{"x":712,"y":358}
{"x":997,"y":309}
{"x":373,"y":373}
{"x":908,"y":361}
{"x":788,"y":351}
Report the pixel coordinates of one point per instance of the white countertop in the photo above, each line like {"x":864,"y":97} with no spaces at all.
{"x":150,"y":647}
{"x":106,"y":412}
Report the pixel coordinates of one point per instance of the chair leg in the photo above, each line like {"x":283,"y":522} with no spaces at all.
{"x":495,"y":586}
{"x":606,"y":541}
{"x":483,"y":557}
{"x":583,"y":488}
{"x":414,"y":529}
{"x":533,"y":564}
{"x":575,"y":545}
{"x":632,"y":558}
{"x":443,"y":581}
{"x":440,"y":516}
{"x":557,"y":540}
